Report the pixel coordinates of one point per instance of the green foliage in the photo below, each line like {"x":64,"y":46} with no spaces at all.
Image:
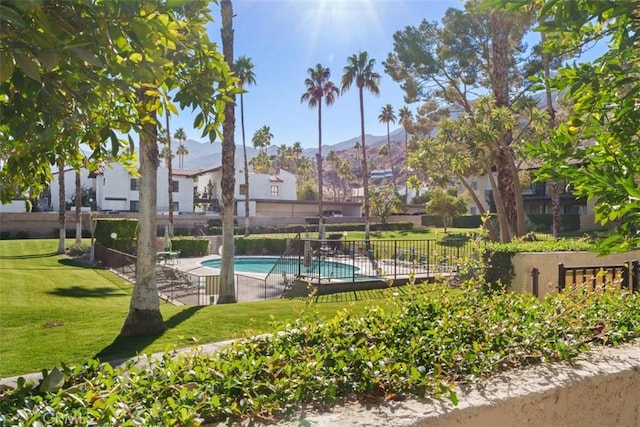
{"x":431,"y":220}
{"x":260,"y":246}
{"x":125,"y":233}
{"x":307,"y":191}
{"x":596,"y":148}
{"x":454,"y":240}
{"x":543,"y":222}
{"x":190,"y":246}
{"x":445,"y":205}
{"x":467,"y":221}
{"x":499,"y":270}
{"x":79,"y":250}
{"x":385,"y":200}
{"x":423,"y":346}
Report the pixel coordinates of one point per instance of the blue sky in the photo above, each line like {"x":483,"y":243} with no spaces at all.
{"x":286,"y":37}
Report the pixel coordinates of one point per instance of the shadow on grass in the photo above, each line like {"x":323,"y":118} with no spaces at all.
{"x":124,"y":348}
{"x":72,"y":262}
{"x":85,"y":292}
{"x":30,"y":256}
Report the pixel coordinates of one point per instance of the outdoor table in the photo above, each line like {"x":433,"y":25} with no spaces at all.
{"x":166,"y":256}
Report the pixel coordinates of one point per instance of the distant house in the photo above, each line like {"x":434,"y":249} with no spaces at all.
{"x":262,"y":187}
{"x":116,"y":190}
{"x":536,"y":198}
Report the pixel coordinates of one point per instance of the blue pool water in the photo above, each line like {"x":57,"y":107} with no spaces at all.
{"x":266,"y":264}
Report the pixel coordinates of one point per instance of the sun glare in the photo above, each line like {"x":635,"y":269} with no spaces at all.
{"x":339,"y":24}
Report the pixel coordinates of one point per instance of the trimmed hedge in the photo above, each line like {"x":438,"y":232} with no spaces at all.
{"x":125,"y":229}
{"x":467,"y":221}
{"x":499,"y":270}
{"x":190,"y":246}
{"x":544,"y":222}
{"x":261,"y":246}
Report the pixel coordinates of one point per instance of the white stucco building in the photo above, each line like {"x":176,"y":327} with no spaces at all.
{"x":117,"y":190}
{"x":280,"y":187}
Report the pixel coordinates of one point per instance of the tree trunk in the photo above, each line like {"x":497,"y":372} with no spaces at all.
{"x":78,"y":209}
{"x":144,"y":318}
{"x":500,"y":28}
{"x":393,"y":176}
{"x":62,"y":222}
{"x":227,"y":285}
{"x":365,"y":173}
{"x":505,"y":227}
{"x":555,"y":187}
{"x":169,"y":172}
{"x":320,"y":183}
{"x":246,"y":170}
{"x":483,"y":212}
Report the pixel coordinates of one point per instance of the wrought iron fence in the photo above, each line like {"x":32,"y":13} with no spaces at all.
{"x":625,"y":276}
{"x":336,"y":258}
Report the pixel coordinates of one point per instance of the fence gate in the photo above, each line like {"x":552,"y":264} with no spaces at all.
{"x":628,"y":275}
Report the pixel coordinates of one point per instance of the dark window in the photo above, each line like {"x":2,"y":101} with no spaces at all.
{"x":243,"y":189}
{"x":176,"y":186}
{"x":134,"y":184}
{"x":134,"y":206}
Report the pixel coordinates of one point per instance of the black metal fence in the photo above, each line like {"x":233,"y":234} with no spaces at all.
{"x":325,"y":261}
{"x":626,"y":276}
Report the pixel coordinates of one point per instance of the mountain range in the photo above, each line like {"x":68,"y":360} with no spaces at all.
{"x":209,"y":155}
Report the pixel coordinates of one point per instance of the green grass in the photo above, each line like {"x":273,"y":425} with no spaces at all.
{"x":53,"y":312}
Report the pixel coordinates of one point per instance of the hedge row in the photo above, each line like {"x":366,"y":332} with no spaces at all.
{"x":461,"y":221}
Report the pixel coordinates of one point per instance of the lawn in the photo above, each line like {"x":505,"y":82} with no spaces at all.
{"x":53,"y":311}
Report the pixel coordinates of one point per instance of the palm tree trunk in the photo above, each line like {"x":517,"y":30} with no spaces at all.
{"x":169,"y":172}
{"x":393,"y":176}
{"x":78,"y":209}
{"x":365,"y":173}
{"x":500,"y":26}
{"x":144,"y":318}
{"x":320,"y":183}
{"x":227,"y":284}
{"x":246,"y":170}
{"x":62,"y":223}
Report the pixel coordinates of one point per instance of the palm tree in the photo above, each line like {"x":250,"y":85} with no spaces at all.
{"x":359,"y":70}
{"x":228,"y":181}
{"x":262,"y":138}
{"x":319,"y":86}
{"x":244,"y":71}
{"x":345,"y":173}
{"x":182,"y":150}
{"x":388,"y":116}
{"x":167,"y":139}
{"x":405,"y":116}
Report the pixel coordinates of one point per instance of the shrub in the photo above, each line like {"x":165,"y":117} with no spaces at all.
{"x":22,"y":235}
{"x":125,"y":230}
{"x":260,"y":246}
{"x":499,"y":270}
{"x":431,"y":221}
{"x":467,"y":221}
{"x":79,"y":250}
{"x":422,"y":346}
{"x":190,"y":246}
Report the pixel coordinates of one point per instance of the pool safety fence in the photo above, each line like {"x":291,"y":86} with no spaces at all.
{"x":339,"y":260}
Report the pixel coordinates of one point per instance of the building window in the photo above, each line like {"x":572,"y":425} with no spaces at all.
{"x":176,"y":186}
{"x":474,"y":185}
{"x":275,"y":190}
{"x":134,"y":184}
{"x":243,"y":189}
{"x":176,"y":206}
{"x":134,"y":205}
{"x":474,"y":210}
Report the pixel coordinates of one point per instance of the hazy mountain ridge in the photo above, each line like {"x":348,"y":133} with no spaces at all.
{"x":204,"y":155}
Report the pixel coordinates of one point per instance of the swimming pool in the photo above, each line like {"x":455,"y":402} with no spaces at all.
{"x":293,"y":266}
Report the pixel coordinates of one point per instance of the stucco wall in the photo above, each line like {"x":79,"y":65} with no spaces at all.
{"x":547,"y":265}
{"x":597,"y":389}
